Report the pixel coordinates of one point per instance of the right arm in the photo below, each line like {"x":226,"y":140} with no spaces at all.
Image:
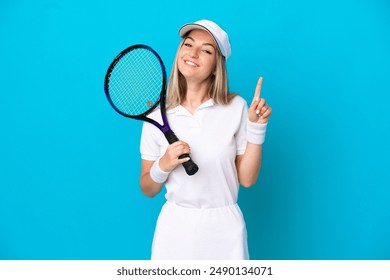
{"x":169,"y":161}
{"x":149,"y":187}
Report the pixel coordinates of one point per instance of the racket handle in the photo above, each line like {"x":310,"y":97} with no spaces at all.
{"x":190,"y":166}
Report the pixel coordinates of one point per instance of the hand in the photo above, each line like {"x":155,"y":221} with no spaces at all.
{"x":259,"y":111}
{"x":170,"y":159}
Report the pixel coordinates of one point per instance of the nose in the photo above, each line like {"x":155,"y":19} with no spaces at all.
{"x":194,"y":53}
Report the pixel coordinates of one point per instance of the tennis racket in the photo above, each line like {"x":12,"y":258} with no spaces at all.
{"x":135,"y":83}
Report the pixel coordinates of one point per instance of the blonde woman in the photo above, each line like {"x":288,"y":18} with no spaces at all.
{"x":201,"y":218}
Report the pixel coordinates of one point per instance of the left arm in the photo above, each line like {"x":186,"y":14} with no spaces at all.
{"x":248,"y":165}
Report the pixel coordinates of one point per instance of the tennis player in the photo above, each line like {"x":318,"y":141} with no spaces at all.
{"x":201,"y":219}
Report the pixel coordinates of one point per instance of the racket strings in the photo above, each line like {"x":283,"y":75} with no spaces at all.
{"x":136,"y":82}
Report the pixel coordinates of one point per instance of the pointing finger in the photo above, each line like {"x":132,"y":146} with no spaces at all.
{"x":258,"y":89}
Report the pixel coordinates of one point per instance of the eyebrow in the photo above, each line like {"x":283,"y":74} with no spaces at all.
{"x":204,"y":44}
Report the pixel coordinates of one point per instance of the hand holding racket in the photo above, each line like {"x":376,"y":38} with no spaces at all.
{"x":135,"y":84}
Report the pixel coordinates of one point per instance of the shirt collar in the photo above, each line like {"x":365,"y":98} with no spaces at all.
{"x":180,"y":110}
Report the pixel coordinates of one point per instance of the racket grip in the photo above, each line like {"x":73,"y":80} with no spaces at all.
{"x":190,"y":166}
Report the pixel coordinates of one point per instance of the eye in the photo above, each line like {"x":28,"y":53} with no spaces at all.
{"x":207,"y":51}
{"x":187,"y":45}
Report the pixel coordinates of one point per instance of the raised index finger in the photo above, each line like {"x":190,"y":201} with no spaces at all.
{"x":258,"y":89}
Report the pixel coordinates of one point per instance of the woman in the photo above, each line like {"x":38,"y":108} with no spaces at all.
{"x":201,"y":218}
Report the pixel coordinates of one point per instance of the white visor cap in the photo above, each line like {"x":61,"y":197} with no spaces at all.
{"x":219,"y":35}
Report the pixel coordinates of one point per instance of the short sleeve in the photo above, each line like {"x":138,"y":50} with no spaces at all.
{"x":241,"y":132}
{"x":149,"y":145}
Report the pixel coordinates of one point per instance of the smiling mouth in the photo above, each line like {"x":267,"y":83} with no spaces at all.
{"x":188,"y":62}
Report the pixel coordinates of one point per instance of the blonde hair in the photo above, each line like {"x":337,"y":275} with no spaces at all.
{"x":218,"y":90}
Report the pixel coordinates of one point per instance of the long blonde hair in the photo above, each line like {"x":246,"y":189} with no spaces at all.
{"x":218,"y":90}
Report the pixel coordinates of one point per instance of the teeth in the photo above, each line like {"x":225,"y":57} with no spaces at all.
{"x":190,"y":63}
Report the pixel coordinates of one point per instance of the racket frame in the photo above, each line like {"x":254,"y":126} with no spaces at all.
{"x":161,"y":100}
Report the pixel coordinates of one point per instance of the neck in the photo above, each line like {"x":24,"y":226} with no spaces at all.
{"x":197,"y":94}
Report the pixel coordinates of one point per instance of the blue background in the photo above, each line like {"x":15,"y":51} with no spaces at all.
{"x":69,"y":164}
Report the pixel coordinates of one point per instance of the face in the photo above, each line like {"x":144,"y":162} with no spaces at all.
{"x":197,"y":56}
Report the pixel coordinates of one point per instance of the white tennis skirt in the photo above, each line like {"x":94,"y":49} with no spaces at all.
{"x":200,"y":234}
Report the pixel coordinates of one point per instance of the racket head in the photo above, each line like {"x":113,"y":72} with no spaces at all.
{"x":135,"y":82}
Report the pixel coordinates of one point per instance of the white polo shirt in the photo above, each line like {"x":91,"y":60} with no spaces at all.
{"x":216,"y":134}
